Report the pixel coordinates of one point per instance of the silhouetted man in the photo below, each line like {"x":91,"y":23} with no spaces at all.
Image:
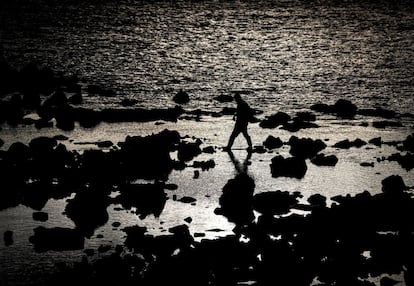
{"x":243,"y":115}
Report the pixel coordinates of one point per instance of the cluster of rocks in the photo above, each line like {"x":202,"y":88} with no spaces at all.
{"x":357,"y":238}
{"x":45,"y":169}
{"x":301,"y":121}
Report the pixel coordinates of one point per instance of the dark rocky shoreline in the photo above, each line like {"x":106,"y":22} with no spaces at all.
{"x":356,"y":238}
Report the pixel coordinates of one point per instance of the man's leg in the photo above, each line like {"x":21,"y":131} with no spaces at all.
{"x":248,"y":139}
{"x":233,"y":136}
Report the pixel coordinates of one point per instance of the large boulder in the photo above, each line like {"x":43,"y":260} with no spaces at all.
{"x":393,"y":185}
{"x":272,"y":142}
{"x":324,"y":160}
{"x":305,"y":147}
{"x":181,"y":97}
{"x":345,"y":108}
{"x":293,"y":167}
{"x":274,"y":203}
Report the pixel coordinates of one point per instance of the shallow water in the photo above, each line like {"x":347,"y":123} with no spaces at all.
{"x":285,"y":54}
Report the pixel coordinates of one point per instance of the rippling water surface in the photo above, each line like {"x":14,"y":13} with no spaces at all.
{"x":284,"y":54}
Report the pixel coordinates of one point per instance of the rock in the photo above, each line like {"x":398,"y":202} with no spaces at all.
{"x":393,"y":185}
{"x":8,"y":237}
{"x":406,"y":161}
{"x":384,"y":124}
{"x":116,"y":224}
{"x":40,"y":216}
{"x":187,"y":200}
{"x":56,"y":239}
{"x":346,"y":144}
{"x":387,"y":281}
{"x":188,"y":150}
{"x":323,"y":160}
{"x":56,"y":99}
{"x":376,"y":141}
{"x":259,"y":150}
{"x":41,"y":123}
{"x":306,"y":116}
{"x":322,"y":107}
{"x":188,"y":219}
{"x":181,"y":97}
{"x":196,"y":174}
{"x":305,"y":147}
{"x":208,"y":150}
{"x":42,"y":146}
{"x":129,"y":101}
{"x":204,"y":165}
{"x":88,"y":209}
{"x":294,"y":167}
{"x":272,"y":142}
{"x":1,"y":143}
{"x":223,"y":98}
{"x":146,"y":198}
{"x":199,"y":234}
{"x":408,"y":143}
{"x":237,"y":198}
{"x":317,"y":200}
{"x":367,"y":164}
{"x":274,"y":203}
{"x":378,"y":112}
{"x":275,"y":120}
{"x":345,"y":108}
{"x":76,"y":99}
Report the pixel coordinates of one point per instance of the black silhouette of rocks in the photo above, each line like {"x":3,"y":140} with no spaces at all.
{"x":325,"y":160}
{"x":187,"y":200}
{"x":305,"y":147}
{"x":56,"y":99}
{"x":345,"y":108}
{"x":204,"y":165}
{"x":40,"y":216}
{"x":188,"y":150}
{"x":149,"y":157}
{"x":181,"y":97}
{"x":385,"y":123}
{"x":8,"y":237}
{"x":378,"y":112}
{"x":274,"y":203}
{"x":116,"y":224}
{"x":377,"y":141}
{"x":297,"y":124}
{"x":393,"y":185}
{"x":408,"y":143}
{"x":305,"y":116}
{"x":272,"y":142}
{"x":146,"y":198}
{"x":293,"y":167}
{"x":104,"y":248}
{"x":342,"y":108}
{"x":236,"y":199}
{"x":88,"y":209}
{"x":129,"y":101}
{"x":346,"y":144}
{"x":61,"y":137}
{"x":224,"y":98}
{"x":317,"y":200}
{"x":387,"y":281}
{"x":406,"y":161}
{"x":188,"y":219}
{"x":367,"y":164}
{"x":275,"y":120}
{"x":56,"y":239}
{"x":76,"y":99}
{"x":209,"y":150}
